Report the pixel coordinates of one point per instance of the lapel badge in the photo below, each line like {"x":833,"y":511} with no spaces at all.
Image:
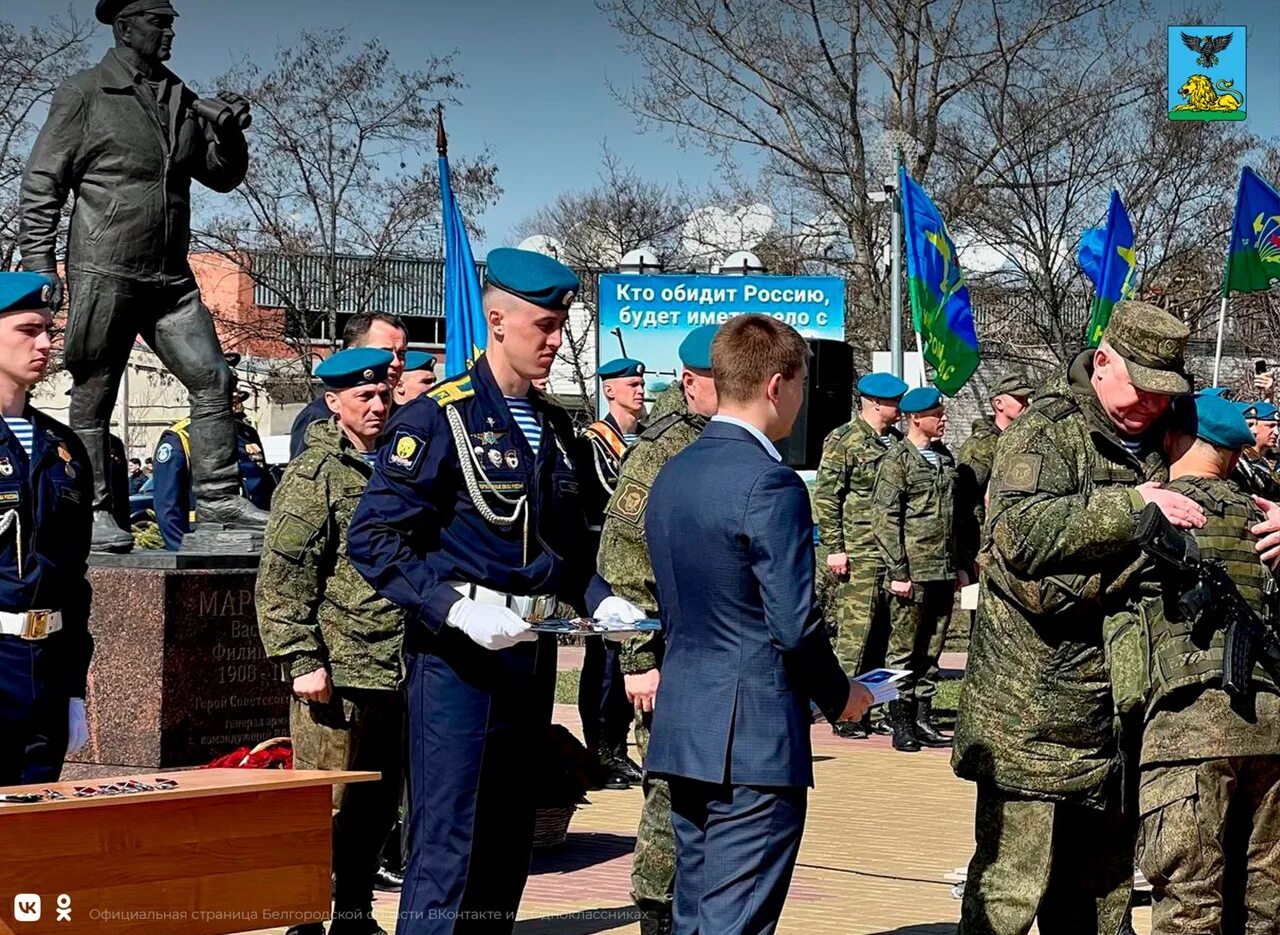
{"x":512,"y":459}
{"x":6,"y":467}
{"x":495,"y":458}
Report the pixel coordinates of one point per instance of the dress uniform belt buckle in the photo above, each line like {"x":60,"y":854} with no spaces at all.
{"x":36,"y":625}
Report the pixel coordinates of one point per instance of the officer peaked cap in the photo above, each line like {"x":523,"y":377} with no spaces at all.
{"x":534,"y":277}
{"x":25,"y":292}
{"x":356,"y":366}
{"x":108,"y":11}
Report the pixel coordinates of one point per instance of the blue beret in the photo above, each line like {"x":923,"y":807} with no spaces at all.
{"x":1222,"y":391}
{"x":921,"y":399}
{"x":25,"y":292}
{"x":881,"y":386}
{"x":356,"y":366}
{"x":419,"y":360}
{"x":1213,"y":419}
{"x":1262,"y":411}
{"x":620,"y":367}
{"x":534,"y":277}
{"x":695,"y":349}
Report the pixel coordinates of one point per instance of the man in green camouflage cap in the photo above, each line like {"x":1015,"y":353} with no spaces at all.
{"x":1009,"y":398}
{"x":1209,"y":795}
{"x":337,"y":643}
{"x":1035,"y":727}
{"x":678,"y":417}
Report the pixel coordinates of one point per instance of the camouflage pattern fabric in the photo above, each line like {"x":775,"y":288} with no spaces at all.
{"x":625,"y":564}
{"x":973,"y":472}
{"x":314,"y":608}
{"x":1066,"y":867}
{"x":1257,"y":476}
{"x":919,"y":631}
{"x":913,"y":514}
{"x":842,"y":491}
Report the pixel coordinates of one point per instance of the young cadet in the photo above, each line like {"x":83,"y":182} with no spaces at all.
{"x":473,"y":524}
{"x":337,"y":643}
{"x":46,"y":503}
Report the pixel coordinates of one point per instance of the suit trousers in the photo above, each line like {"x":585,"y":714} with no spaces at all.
{"x":736,"y":848}
{"x":106,"y":315}
{"x":33,"y":711}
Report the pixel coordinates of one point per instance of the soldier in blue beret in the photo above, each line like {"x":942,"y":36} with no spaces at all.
{"x":174,"y":497}
{"x":602,"y":701}
{"x":1255,"y":472}
{"x":695,"y":349}
{"x":46,"y":499}
{"x":880,"y":385}
{"x":473,"y":523}
{"x":419,"y":376}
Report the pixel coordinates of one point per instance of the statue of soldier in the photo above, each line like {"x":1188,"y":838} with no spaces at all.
{"x":126,"y":137}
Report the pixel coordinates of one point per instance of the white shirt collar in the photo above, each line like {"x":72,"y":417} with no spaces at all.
{"x":759,"y":435}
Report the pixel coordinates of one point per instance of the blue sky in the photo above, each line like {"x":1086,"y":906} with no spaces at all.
{"x":537,"y":74}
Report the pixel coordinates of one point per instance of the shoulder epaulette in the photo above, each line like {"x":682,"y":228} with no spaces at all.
{"x":658,"y":428}
{"x":308,"y":463}
{"x":452,"y":391}
{"x":1057,"y":408}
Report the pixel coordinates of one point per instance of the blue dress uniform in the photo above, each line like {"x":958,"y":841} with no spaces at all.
{"x":459,"y":505}
{"x":174,"y":497}
{"x":45,"y":520}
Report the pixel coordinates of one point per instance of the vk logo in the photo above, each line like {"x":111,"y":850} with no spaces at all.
{"x":26,"y":907}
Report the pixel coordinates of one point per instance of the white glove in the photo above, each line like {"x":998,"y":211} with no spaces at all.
{"x":617,"y":610}
{"x":77,"y":726}
{"x":489,"y":625}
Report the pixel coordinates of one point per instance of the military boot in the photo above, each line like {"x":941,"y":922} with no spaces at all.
{"x":656,"y":921}
{"x":901,"y":716}
{"x":626,"y":766}
{"x":926,"y":732}
{"x":106,"y":536}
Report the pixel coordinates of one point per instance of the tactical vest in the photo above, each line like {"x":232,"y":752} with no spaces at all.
{"x":1180,"y":658}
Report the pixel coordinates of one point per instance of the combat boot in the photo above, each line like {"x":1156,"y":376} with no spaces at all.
{"x":232,"y":511}
{"x":626,"y":766}
{"x":904,"y":735}
{"x":926,"y":732}
{"x":107,"y":536}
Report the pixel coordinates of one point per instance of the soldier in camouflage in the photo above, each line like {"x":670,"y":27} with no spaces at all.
{"x":337,"y":643}
{"x":1009,"y":399}
{"x":1204,"y":757}
{"x":677,"y":419}
{"x":1255,"y":472}
{"x":914,"y":514}
{"x":850,"y":564}
{"x":1035,"y":728}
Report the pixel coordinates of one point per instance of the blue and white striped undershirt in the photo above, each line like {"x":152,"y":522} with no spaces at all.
{"x":522,"y":412}
{"x":1133,"y":446}
{"x":629,"y":438}
{"x":22,"y":430}
{"x":929,"y":455}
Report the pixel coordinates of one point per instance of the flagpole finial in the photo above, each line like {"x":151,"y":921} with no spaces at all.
{"x":442,"y":142}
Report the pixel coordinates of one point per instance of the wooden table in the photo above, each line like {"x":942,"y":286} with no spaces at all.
{"x":228,"y":850}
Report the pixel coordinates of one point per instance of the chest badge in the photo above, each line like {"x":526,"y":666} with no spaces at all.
{"x":512,"y":459}
{"x":495,"y":457}
{"x":6,"y":467}
{"x":65,"y":455}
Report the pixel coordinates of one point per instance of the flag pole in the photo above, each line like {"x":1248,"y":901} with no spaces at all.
{"x":895,"y":271}
{"x":1217,"y":354}
{"x":920,"y":352}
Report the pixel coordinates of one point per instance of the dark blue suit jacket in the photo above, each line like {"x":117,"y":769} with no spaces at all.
{"x":730,"y":533}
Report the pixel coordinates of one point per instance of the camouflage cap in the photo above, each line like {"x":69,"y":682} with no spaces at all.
{"x":1012,"y":384}
{"x":1152,"y":344}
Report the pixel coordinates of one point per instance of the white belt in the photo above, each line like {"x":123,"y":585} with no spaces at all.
{"x":32,"y":624}
{"x":530,"y":607}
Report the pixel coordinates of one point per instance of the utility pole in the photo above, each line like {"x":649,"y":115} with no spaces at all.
{"x":895,"y":270}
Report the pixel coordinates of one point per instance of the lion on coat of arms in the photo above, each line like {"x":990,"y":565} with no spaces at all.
{"x":1201,"y":94}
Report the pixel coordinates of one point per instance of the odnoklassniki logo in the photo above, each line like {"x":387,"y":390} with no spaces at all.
{"x":1207,"y":73}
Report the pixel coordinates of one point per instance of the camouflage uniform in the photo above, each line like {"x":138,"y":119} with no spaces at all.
{"x":1256,"y":475}
{"x":913,"y":511}
{"x":842,"y":509}
{"x":1035,"y":726}
{"x":315,"y":610}
{"x":973,"y":472}
{"x":624,"y":563}
{"x":1202,"y":759}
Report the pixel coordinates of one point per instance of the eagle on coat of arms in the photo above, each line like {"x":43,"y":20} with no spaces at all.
{"x":1207,"y":47}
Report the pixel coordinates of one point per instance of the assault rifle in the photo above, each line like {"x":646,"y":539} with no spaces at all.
{"x":1210,"y":598}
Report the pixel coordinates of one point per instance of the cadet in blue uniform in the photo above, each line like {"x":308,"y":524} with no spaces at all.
{"x":472,"y":523}
{"x":46,"y":500}
{"x":174,"y":498}
{"x":602,"y":700}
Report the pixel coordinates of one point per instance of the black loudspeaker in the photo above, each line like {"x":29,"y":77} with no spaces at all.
{"x":828,"y":403}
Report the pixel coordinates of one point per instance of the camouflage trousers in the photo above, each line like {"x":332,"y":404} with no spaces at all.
{"x":918,"y":631}
{"x":653,"y":867}
{"x":1209,"y":845}
{"x":357,"y":729}
{"x":860,"y":608}
{"x":1069,"y":868}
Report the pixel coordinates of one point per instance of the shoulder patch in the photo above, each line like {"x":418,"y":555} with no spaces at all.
{"x":291,"y":537}
{"x":164,"y":453}
{"x":406,"y":451}
{"x":629,"y":502}
{"x":1058,"y":408}
{"x":1022,"y":473}
{"x":452,"y":391}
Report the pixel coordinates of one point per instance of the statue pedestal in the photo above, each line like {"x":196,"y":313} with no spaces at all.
{"x":179,"y":675}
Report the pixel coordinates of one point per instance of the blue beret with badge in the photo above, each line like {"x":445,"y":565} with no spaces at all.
{"x":695,"y":349}
{"x":1218,"y":421}
{"x":419,"y":360}
{"x":921,"y":399}
{"x":1262,"y":411}
{"x":881,"y":385}
{"x":25,"y":292}
{"x":534,"y":277}
{"x":620,"y":367}
{"x":356,"y":366}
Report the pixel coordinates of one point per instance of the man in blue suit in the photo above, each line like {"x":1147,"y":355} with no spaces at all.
{"x":731,"y":537}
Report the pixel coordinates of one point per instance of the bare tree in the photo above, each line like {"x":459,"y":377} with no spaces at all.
{"x":342,"y":182}
{"x":32,"y":65}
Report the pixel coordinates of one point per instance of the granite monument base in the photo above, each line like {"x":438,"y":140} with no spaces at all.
{"x":179,"y":676}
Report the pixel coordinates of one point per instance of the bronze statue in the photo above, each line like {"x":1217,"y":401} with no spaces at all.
{"x":127,"y":137}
